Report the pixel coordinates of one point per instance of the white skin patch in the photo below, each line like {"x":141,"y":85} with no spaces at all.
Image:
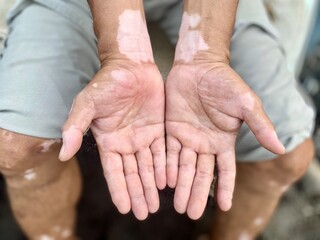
{"x":7,"y":135}
{"x":258,"y":221}
{"x":118,"y":75}
{"x":133,"y":38}
{"x":190,"y":40}
{"x":95,"y":85}
{"x":66,"y":233}
{"x":245,"y":236}
{"x":45,"y":237}
{"x":45,"y":146}
{"x":284,"y":188}
{"x":30,"y":174}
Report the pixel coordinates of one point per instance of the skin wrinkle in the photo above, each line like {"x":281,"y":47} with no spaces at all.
{"x":133,"y":37}
{"x":190,"y":40}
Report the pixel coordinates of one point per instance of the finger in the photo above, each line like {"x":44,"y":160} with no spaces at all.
{"x":173,"y":155}
{"x":138,"y":202}
{"x":187,"y":164}
{"x":226,"y":179}
{"x":114,"y":175}
{"x":146,"y":172}
{"x":262,"y":128}
{"x":79,"y":119}
{"x":201,"y":185}
{"x":158,"y":149}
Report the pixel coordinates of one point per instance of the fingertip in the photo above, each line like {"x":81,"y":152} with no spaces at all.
{"x":122,"y":203}
{"x":282,"y":149}
{"x":72,"y":140}
{"x":172,"y":182}
{"x":124,"y":207}
{"x":142,"y":215}
{"x":225,"y":204}
{"x":180,"y":208}
{"x":61,"y":153}
{"x":278,"y":146}
{"x":172,"y":176}
{"x":154,"y":208}
{"x":161,"y":177}
{"x":161,"y":184}
{"x":195,"y":210}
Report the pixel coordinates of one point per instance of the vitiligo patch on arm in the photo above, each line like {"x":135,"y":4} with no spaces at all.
{"x":133,"y":38}
{"x":190,"y":39}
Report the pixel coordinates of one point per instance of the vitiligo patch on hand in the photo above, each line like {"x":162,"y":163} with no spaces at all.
{"x":133,"y":38}
{"x":190,"y":40}
{"x":118,"y":75}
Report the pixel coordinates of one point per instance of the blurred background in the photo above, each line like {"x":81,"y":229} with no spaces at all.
{"x":297,"y":216}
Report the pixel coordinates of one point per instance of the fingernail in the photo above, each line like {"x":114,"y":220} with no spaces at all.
{"x":62,"y":152}
{"x":282,"y":149}
{"x":63,"y":148}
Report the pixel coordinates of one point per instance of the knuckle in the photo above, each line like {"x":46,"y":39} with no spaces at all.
{"x":146,"y":169}
{"x":187,"y":168}
{"x":130,"y":172}
{"x":137,"y":196}
{"x":226,"y":174}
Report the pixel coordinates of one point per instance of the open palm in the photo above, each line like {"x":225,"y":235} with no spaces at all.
{"x":124,"y":107}
{"x":205,"y":107}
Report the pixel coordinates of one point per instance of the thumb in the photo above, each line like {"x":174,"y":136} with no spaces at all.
{"x":263,"y":129}
{"x":79,"y":119}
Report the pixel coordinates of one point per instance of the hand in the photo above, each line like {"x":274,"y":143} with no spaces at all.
{"x":124,"y":107}
{"x":205,"y":107}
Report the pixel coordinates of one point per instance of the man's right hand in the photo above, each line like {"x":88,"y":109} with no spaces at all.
{"x":124,"y":107}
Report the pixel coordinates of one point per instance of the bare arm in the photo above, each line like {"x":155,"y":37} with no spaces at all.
{"x":214,"y":22}
{"x":206,"y":103}
{"x":124,"y":107}
{"x":121,"y":30}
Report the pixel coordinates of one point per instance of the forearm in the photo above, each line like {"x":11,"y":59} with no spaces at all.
{"x":206,"y":30}
{"x":121,"y":30}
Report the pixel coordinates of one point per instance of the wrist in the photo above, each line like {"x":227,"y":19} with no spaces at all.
{"x":123,"y":33}
{"x":206,"y":31}
{"x":132,"y":40}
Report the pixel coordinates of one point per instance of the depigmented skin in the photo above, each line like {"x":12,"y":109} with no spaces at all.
{"x":133,"y":38}
{"x":33,"y":178}
{"x":190,"y":39}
